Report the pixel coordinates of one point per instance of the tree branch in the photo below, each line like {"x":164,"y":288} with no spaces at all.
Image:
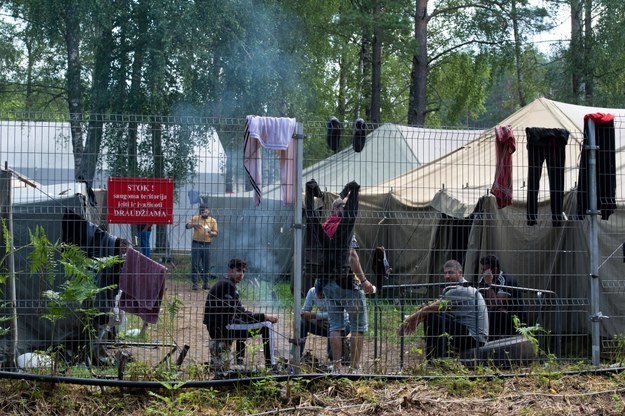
{"x":459,"y":46}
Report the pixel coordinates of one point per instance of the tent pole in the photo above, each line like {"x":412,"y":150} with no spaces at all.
{"x":593,"y":243}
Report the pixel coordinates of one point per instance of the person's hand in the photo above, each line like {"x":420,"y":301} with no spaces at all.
{"x":271,"y":318}
{"x":324,"y":323}
{"x":368,"y":287}
{"x":409,"y":325}
{"x":488,"y":277}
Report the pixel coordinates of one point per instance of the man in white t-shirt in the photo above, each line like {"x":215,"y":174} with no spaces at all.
{"x":315,"y":319}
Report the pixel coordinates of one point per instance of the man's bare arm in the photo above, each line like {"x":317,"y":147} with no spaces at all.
{"x":410,"y":324}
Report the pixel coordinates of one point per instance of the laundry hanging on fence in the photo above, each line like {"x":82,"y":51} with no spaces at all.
{"x":505,"y":146}
{"x":272,"y":133}
{"x":142,"y":282}
{"x":546,"y":144}
{"x":333,"y":134}
{"x":605,"y":164}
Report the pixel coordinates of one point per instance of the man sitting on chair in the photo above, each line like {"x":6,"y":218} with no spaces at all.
{"x":227,"y":319}
{"x":315,"y":321}
{"x":503,"y":300}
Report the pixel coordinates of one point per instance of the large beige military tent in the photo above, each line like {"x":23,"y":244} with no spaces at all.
{"x":444,"y":210}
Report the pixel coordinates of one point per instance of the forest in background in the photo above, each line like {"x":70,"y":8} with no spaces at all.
{"x":452,"y":63}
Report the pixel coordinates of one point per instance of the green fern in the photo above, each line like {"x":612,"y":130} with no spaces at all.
{"x":528,"y":333}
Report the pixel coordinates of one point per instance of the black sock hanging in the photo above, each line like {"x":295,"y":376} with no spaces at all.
{"x":360,"y":135}
{"x":334,"y":134}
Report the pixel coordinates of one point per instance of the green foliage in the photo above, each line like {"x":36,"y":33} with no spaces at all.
{"x":174,"y":305}
{"x":75,"y":293}
{"x":619,"y":406}
{"x":529,"y":333}
{"x":619,"y":355}
{"x":5,"y":276}
{"x":307,"y":60}
{"x":607,"y":59}
{"x":41,"y":258}
{"x":73,"y":296}
{"x":171,"y":402}
{"x":460,"y":387}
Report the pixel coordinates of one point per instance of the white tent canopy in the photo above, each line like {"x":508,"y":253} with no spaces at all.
{"x":389,"y":151}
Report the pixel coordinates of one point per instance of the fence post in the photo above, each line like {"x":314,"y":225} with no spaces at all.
{"x":297,"y":245}
{"x":593,"y":243}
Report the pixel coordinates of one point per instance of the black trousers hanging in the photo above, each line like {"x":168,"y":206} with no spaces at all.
{"x":606,"y":171}
{"x":546,"y":145}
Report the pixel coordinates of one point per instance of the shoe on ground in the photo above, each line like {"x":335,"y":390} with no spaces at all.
{"x":354,"y":370}
{"x":334,"y":370}
{"x":239,"y":368}
{"x":217,"y":367}
{"x":205,"y":287}
{"x":194,"y":287}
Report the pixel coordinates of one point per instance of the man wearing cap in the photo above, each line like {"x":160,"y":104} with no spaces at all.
{"x":502,"y":299}
{"x":204,"y":230}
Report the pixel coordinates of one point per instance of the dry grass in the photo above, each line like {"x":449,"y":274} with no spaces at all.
{"x":542,"y":394}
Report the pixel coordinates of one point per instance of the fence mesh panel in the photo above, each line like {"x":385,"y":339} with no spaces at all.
{"x":425,"y":195}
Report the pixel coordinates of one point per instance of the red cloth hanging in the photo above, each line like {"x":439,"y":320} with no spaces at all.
{"x":505,"y":145}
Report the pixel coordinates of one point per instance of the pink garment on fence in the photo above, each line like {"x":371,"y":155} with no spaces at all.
{"x":331,"y":224}
{"x":502,"y":186}
{"x":142,"y":282}
{"x":274,"y":134}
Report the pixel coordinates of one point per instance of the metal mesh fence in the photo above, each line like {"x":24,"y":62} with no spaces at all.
{"x":424,"y":195}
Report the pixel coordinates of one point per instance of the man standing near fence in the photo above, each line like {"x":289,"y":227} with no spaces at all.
{"x":204,"y":230}
{"x":344,"y":283}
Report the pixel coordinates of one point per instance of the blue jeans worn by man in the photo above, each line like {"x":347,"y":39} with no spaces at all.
{"x":144,"y":243}
{"x":200,"y":263}
{"x":353,"y":302}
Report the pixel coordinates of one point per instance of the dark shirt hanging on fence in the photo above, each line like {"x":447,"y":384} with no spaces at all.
{"x":606,"y":167}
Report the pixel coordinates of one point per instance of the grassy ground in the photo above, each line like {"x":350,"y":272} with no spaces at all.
{"x":542,"y":392}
